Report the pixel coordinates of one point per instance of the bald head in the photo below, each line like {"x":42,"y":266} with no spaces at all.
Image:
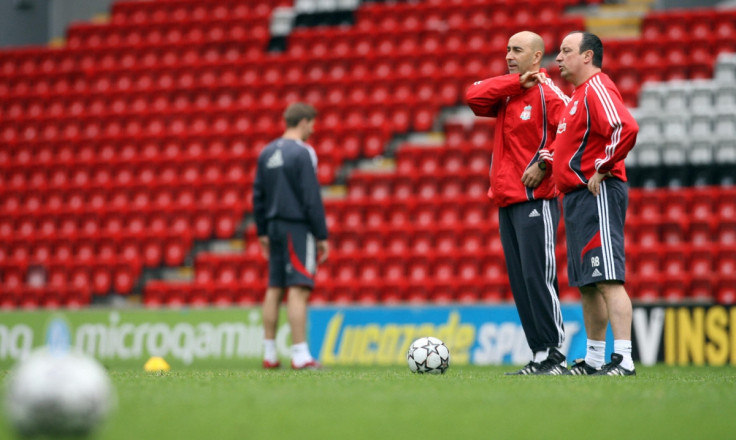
{"x":532,"y":40}
{"x":524,"y":52}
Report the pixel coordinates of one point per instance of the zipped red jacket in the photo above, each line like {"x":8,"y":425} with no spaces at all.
{"x":596,"y":133}
{"x":526,"y":125}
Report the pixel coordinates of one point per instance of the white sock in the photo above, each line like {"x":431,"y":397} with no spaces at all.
{"x":541,"y":355}
{"x":269,"y":350}
{"x":623,"y":347}
{"x":300,"y":354}
{"x":595,"y":355}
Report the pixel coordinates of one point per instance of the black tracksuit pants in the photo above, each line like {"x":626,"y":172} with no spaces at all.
{"x":528,"y":235}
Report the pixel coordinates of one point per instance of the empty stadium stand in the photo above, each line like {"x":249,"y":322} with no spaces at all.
{"x":134,"y":146}
{"x":689,"y":127}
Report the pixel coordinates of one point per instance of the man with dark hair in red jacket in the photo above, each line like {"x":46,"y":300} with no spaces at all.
{"x":593,"y":138}
{"x":527,"y":106}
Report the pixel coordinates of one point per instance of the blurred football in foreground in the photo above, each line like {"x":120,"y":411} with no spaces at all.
{"x":53,"y":393}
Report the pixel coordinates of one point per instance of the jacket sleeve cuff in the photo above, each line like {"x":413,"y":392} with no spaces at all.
{"x":603,"y":167}
{"x":545,"y":156}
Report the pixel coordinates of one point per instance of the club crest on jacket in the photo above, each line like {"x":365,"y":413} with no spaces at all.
{"x":527,"y":113}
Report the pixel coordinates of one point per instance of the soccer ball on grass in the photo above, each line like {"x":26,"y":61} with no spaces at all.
{"x":57,"y":394}
{"x":428,"y":355}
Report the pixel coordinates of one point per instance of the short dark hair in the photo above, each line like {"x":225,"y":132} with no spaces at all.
{"x":591,"y":42}
{"x":297,"y":111}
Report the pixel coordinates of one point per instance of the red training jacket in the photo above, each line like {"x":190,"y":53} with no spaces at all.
{"x":526,"y":124}
{"x":596,"y":133}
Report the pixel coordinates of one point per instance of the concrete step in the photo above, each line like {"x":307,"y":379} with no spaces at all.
{"x":619,"y":21}
{"x":616,"y":33}
{"x":608,"y":27}
{"x":334,"y":192}
{"x":612,"y":22}
{"x":623,"y":10}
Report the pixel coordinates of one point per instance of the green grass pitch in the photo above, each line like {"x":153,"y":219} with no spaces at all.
{"x":469,"y":402}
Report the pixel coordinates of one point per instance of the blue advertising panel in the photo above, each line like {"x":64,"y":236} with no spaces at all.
{"x":476,"y":334}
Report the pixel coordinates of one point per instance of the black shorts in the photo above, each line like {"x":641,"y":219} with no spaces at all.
{"x":595,"y":233}
{"x":292,"y":254}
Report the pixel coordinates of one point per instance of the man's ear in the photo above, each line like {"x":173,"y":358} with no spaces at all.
{"x":588,"y":56}
{"x":537,"y":57}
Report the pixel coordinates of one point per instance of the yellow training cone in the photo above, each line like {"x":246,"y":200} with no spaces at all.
{"x":156,"y":364}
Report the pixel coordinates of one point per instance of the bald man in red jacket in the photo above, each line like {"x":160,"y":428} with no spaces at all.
{"x":527,"y":106}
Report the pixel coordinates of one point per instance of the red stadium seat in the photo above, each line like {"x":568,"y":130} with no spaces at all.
{"x":725,"y":292}
{"x":393,"y":292}
{"x":80,"y":277}
{"x":13,"y":276}
{"x":419,"y":270}
{"x":677,"y":288}
{"x":101,"y":279}
{"x":31,"y":298}
{"x":725,"y":261}
{"x":222,"y":296}
{"x":394,"y":269}
{"x":125,"y":276}
{"x":369,"y":294}
{"x":647,"y":291}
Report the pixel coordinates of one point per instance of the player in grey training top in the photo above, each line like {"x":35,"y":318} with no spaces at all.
{"x":292,"y":230}
{"x":286,"y":187}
